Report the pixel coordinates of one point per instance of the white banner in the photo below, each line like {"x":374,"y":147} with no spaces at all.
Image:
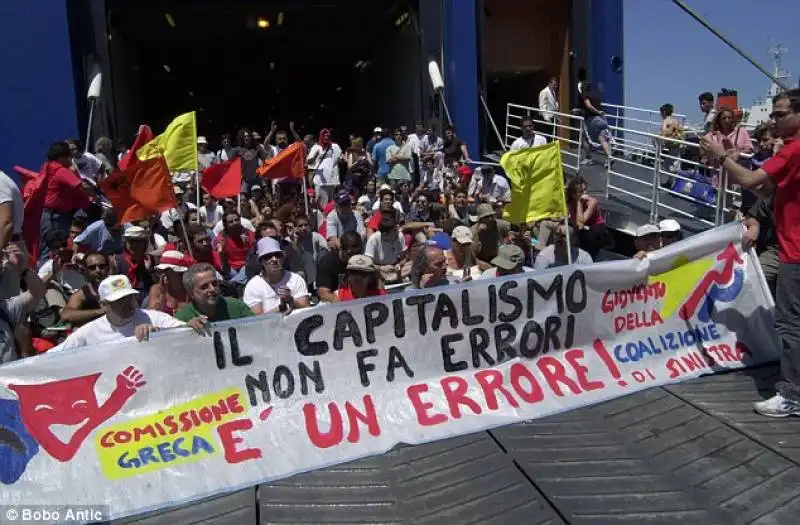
{"x":141,"y":426}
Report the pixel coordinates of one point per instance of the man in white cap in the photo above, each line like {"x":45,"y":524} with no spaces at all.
{"x":134,"y":261}
{"x":205,"y":158}
{"x":274,"y":289}
{"x":460,"y":259}
{"x":648,"y":239}
{"x":670,"y":231}
{"x":173,"y":215}
{"x":377,"y":135}
{"x":123,"y":318}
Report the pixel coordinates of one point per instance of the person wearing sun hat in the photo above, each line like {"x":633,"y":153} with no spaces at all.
{"x":647,"y":239}
{"x":205,"y":158}
{"x":460,"y":259}
{"x":670,"y":230}
{"x":363,"y":279}
{"x":168,"y":295}
{"x":488,"y":233}
{"x":275,"y":289}
{"x":122,"y":319}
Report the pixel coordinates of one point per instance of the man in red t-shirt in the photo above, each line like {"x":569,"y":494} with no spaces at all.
{"x":233,"y":245}
{"x":202,"y":248}
{"x":779,"y":175}
{"x":65,"y":194}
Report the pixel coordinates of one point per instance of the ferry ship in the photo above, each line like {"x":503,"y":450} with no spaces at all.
{"x":762,"y":109}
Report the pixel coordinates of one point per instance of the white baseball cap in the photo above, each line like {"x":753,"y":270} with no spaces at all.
{"x":135,"y":232}
{"x":647,"y":229}
{"x":462,"y":235}
{"x":377,"y":129}
{"x":115,"y":287}
{"x":669,"y":225}
{"x":201,"y":140}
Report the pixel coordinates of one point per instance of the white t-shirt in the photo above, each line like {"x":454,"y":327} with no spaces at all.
{"x":246,"y":224}
{"x":209,"y":217}
{"x":259,"y":292}
{"x":326,"y":164}
{"x":547,"y":258}
{"x":156,"y":244}
{"x":396,"y":205}
{"x":88,"y":166}
{"x":385,"y":251}
{"x":9,"y":192}
{"x":171,"y":216}
{"x":522,"y":142}
{"x":100,"y":330}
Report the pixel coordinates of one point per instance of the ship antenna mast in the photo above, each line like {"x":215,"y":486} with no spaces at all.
{"x":777,"y":52}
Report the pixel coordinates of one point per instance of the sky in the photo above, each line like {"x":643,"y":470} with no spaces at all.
{"x":670,"y":57}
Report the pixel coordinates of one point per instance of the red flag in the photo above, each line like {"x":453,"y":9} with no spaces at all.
{"x":289,"y":163}
{"x":223,"y":180}
{"x":140,"y":190}
{"x":26,"y":176}
{"x":144,"y":136}
{"x":33,"y":197}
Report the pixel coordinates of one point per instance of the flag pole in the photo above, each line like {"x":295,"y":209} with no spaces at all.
{"x":569,"y":240}
{"x":197,"y":188}
{"x":305,"y":198}
{"x":185,"y":233}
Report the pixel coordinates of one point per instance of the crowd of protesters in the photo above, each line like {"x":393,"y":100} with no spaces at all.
{"x":400,"y":210}
{"x":405,"y":209}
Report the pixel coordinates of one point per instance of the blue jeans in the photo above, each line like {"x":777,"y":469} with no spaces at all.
{"x":52,"y":220}
{"x":238,"y":276}
{"x":787,"y":323}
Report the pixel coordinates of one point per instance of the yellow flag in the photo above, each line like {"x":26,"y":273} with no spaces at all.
{"x":178,"y":144}
{"x":537,"y":184}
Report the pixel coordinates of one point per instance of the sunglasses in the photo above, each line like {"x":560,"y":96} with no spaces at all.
{"x":96,"y":266}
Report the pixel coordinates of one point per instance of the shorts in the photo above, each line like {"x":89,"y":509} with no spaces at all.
{"x":597,"y":127}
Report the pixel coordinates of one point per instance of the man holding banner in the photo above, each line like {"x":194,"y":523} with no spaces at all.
{"x":779,"y":175}
{"x":123,"y":318}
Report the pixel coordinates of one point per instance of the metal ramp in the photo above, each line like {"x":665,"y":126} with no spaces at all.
{"x":632,"y":188}
{"x":692,"y":453}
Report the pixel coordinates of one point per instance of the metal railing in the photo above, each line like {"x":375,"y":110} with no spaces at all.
{"x":623,"y":116}
{"x":667,"y":177}
{"x":565,"y":127}
{"x":676,"y":169}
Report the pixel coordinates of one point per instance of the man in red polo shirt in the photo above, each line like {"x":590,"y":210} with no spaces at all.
{"x":65,"y":194}
{"x":780,"y":175}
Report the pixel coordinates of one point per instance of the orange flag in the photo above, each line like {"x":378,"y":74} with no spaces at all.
{"x":289,"y":163}
{"x":140,"y":190}
{"x":223,"y":180}
{"x":144,"y":135}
